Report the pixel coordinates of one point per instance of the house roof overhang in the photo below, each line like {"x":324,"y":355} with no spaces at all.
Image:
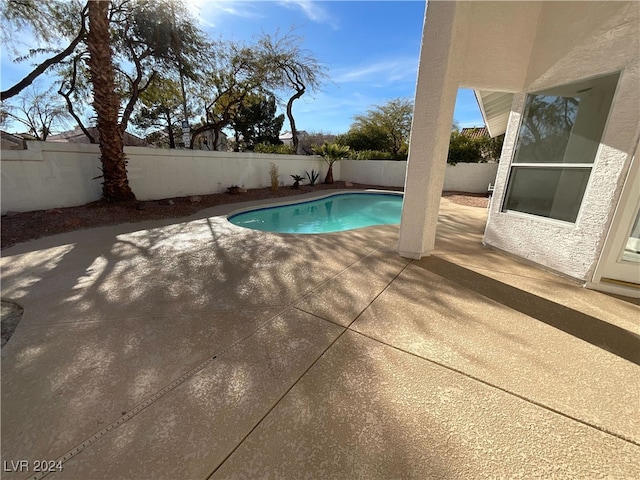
{"x":495,"y":108}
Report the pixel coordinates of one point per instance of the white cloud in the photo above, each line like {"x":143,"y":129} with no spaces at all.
{"x":209,"y":12}
{"x":312,"y":10}
{"x":379,"y":73}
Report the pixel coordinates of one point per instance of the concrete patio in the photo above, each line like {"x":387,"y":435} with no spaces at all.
{"x":199,"y":349}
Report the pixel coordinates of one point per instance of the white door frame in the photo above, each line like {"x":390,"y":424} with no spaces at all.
{"x":612,"y":274}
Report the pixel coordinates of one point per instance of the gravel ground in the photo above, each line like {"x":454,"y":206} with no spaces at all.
{"x":24,"y":226}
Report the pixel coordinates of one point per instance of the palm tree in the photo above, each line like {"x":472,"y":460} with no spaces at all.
{"x":331,"y":152}
{"x":106,"y":102}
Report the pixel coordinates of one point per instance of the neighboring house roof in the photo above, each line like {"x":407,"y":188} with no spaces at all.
{"x":287,"y":135}
{"x":11,"y":141}
{"x":77,"y":136}
{"x":495,"y":108}
{"x":475,"y":132}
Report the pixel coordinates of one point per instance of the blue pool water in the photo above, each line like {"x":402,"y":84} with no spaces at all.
{"x":335,"y":213}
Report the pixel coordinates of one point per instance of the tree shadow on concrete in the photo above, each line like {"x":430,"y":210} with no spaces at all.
{"x":609,"y":337}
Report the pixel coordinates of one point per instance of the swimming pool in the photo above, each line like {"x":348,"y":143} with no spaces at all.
{"x":333,"y":213}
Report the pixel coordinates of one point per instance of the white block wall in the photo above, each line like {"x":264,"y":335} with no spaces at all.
{"x":387,"y":173}
{"x":52,"y":175}
{"x":469,"y":177}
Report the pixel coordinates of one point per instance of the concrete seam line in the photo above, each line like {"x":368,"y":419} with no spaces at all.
{"x":322,"y":284}
{"x":160,"y":316}
{"x":153,"y":398}
{"x":504,"y":390}
{"x":276,"y":403}
{"x":345,"y":329}
{"x":127,"y":416}
{"x":380,"y":293}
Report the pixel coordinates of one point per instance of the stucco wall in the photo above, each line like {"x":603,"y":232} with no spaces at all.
{"x":564,"y":54}
{"x":50,"y":175}
{"x":470,"y":177}
{"x":156,"y":174}
{"x":386,"y":173}
{"x":499,"y":39}
{"x":463,"y":177}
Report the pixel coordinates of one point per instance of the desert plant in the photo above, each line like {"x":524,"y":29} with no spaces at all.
{"x":298,"y":179}
{"x":273,"y":173}
{"x":268,"y":148}
{"x":331,"y":152}
{"x":313,"y":177}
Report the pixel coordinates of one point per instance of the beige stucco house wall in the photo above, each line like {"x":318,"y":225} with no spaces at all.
{"x":505,"y":51}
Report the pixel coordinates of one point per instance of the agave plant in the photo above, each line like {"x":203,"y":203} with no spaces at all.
{"x":297,"y":179}
{"x":331,"y":152}
{"x":313,"y":176}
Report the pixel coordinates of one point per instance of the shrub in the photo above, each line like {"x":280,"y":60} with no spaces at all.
{"x":464,"y":149}
{"x":376,"y":155}
{"x":273,"y":173}
{"x":297,"y":179}
{"x":365,"y":139}
{"x":280,"y":149}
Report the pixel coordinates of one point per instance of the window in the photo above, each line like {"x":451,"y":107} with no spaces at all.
{"x":557,"y":145}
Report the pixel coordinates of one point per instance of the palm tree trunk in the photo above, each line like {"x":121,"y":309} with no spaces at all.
{"x":329,"y":177}
{"x":106,"y":103}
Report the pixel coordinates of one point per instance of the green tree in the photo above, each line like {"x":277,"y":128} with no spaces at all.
{"x":463,"y":149}
{"x":235,"y":74}
{"x":144,"y":39}
{"x":160,"y":109}
{"x":256,"y":121}
{"x":392,"y":118}
{"x":55,"y":22}
{"x":143,"y":34}
{"x":292,"y":68}
{"x":371,"y":137}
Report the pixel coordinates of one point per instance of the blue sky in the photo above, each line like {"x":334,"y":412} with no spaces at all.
{"x":370,"y":49}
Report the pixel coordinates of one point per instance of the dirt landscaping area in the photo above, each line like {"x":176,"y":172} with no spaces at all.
{"x":25,"y":226}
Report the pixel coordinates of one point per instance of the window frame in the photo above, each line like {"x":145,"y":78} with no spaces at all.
{"x":529,"y":165}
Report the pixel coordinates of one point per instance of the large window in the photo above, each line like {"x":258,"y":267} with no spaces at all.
{"x":557,"y":145}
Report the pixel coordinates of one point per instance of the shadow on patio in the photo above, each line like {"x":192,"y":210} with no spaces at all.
{"x":332,"y":356}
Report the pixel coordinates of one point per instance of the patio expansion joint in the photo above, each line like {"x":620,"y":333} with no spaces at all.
{"x":504,"y":390}
{"x":147,"y":402}
{"x":127,"y":416}
{"x":280,"y":308}
{"x":313,"y":289}
{"x":275,"y":404}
